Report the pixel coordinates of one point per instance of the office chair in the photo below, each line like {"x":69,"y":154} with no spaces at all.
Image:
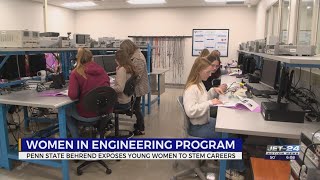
{"x":99,"y":100}
{"x":195,"y":168}
{"x":129,"y":89}
{"x":129,"y":111}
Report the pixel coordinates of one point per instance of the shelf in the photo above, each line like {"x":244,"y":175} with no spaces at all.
{"x":294,"y":61}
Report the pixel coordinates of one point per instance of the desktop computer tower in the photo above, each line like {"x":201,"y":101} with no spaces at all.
{"x":284,"y":112}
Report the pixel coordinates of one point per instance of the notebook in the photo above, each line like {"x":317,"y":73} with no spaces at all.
{"x":54,"y":93}
{"x":242,"y":104}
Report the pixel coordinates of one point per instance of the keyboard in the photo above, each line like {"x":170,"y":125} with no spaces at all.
{"x":257,"y":92}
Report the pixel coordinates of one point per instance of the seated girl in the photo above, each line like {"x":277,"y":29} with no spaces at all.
{"x":197,"y":102}
{"x":124,"y":71}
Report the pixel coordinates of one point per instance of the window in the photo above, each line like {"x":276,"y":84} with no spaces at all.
{"x":272,"y":21}
{"x":284,"y":23}
{"x":275,"y":19}
{"x":304,"y":22}
{"x":268,"y":23}
{"x":318,"y":35}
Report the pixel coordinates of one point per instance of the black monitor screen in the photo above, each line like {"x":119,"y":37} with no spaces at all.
{"x":270,"y":72}
{"x":13,"y":68}
{"x":80,"y":39}
{"x":37,"y":62}
{"x":99,"y":60}
{"x":109,"y":62}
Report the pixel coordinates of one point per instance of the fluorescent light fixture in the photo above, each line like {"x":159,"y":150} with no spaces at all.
{"x":235,"y":0}
{"x":215,"y":1}
{"x":146,"y":1}
{"x":308,"y":7}
{"x":79,"y":4}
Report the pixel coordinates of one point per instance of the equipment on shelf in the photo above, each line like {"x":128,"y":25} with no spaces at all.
{"x":49,"y":42}
{"x":49,"y":34}
{"x":106,"y":42}
{"x":243,"y":46}
{"x":306,"y":165}
{"x":272,"y":49}
{"x":297,"y":50}
{"x":116,"y":43}
{"x":80,"y":40}
{"x":272,"y":42}
{"x":95,"y":44}
{"x":19,"y":38}
{"x":250,"y":46}
{"x":291,"y":50}
{"x":259,"y":45}
{"x":64,"y":42}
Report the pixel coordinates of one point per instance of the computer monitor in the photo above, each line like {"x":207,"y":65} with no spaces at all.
{"x":285,"y":84}
{"x":240,"y":58}
{"x":37,"y":62}
{"x":14,"y":67}
{"x":99,"y":60}
{"x":109,"y":62}
{"x":248,"y":65}
{"x":80,"y":39}
{"x":270,"y":73}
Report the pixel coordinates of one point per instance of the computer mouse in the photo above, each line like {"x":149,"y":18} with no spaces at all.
{"x":265,"y":96}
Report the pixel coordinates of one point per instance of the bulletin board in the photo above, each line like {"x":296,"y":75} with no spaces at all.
{"x":212,"y":39}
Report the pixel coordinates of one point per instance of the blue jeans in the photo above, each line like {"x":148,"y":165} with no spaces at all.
{"x":204,"y":130}
{"x":72,"y":118}
{"x":208,"y":131}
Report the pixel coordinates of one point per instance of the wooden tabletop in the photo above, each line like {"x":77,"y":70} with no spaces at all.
{"x":264,"y":169}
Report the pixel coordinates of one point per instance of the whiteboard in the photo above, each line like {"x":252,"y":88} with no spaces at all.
{"x":212,"y":39}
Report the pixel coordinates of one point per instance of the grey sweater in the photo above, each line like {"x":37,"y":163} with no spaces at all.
{"x":197,"y":103}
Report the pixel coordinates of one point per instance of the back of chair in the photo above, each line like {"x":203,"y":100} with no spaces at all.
{"x":130,"y":85}
{"x":186,"y":119}
{"x":100,"y":100}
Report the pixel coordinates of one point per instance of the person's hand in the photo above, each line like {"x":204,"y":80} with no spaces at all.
{"x":216,"y":101}
{"x":218,"y":90}
{"x":117,"y":68}
{"x":223,"y":87}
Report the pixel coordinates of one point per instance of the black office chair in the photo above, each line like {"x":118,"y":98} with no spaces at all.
{"x":129,"y":91}
{"x":129,"y":111}
{"x":99,"y":100}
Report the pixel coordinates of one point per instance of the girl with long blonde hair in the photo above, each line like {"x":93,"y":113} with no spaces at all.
{"x":197,"y":100}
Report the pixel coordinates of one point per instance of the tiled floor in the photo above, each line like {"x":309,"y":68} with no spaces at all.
{"x":164,"y":121}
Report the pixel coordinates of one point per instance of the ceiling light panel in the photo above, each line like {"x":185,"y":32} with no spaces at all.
{"x":215,"y":1}
{"x":146,"y":1}
{"x":79,"y":4}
